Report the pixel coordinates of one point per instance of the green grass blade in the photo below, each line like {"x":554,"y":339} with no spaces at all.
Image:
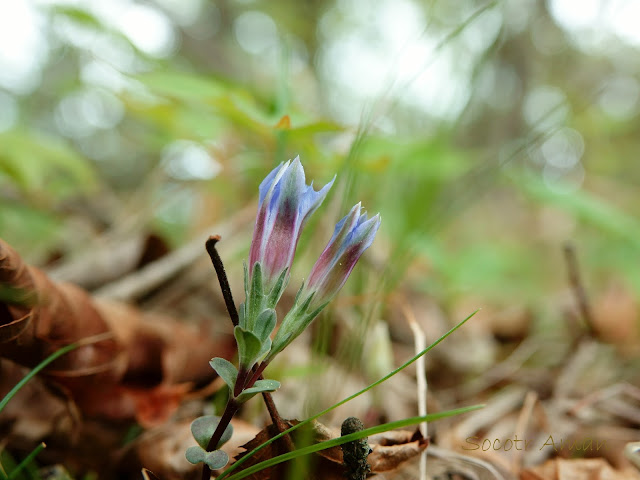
{"x":24,"y":463}
{"x":6,"y":464}
{"x":228,"y":471}
{"x":349,"y":438}
{"x":35,"y":371}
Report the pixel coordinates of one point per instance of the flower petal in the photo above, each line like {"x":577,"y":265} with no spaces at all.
{"x":286,"y":202}
{"x":344,"y":250}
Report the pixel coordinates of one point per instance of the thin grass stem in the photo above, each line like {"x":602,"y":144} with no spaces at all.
{"x":55,"y":355}
{"x":27,"y":460}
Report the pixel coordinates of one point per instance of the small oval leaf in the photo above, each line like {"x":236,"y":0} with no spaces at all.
{"x":249,"y":347}
{"x":203,"y":428}
{"x":259,"y":387}
{"x":216,"y":459}
{"x":226,"y":370}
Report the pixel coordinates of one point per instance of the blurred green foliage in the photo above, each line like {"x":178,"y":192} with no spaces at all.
{"x":534,"y":148}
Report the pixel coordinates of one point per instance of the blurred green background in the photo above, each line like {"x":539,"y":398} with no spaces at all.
{"x":486,"y":133}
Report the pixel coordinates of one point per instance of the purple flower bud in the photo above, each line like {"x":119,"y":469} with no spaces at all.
{"x":286,"y":202}
{"x":351,"y":237}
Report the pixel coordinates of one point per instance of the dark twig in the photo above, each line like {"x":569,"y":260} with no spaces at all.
{"x":222,"y":278}
{"x":277,"y":420}
{"x":578,"y":288}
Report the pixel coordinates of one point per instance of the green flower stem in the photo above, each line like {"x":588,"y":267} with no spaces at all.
{"x":229,"y":411}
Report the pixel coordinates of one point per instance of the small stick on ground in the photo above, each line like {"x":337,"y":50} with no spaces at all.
{"x":421,"y":379}
{"x":577,"y":286}
{"x":521,"y":428}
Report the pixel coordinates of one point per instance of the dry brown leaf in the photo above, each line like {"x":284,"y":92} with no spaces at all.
{"x":577,"y":469}
{"x":37,"y":317}
{"x":391,"y":449}
{"x":141,"y":372}
{"x":148,"y":475}
{"x":615,"y":317}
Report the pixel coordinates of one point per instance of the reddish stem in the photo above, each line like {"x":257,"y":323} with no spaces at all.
{"x":241,"y":381}
{"x":229,"y":412}
{"x":256,"y":375}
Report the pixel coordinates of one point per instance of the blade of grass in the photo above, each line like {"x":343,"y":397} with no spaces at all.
{"x":24,"y":463}
{"x":349,"y":438}
{"x":6,"y":463}
{"x":228,"y":471}
{"x":48,"y":360}
{"x":35,"y":371}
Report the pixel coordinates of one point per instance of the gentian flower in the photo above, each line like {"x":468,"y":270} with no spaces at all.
{"x":286,"y":202}
{"x":351,"y":237}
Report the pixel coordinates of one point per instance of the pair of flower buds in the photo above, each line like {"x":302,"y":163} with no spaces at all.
{"x":285,"y":204}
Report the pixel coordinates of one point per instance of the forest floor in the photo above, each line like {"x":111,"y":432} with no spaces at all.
{"x":560,"y":403}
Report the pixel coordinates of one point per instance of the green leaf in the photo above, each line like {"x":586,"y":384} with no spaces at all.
{"x":227,"y":371}
{"x":216,"y":459}
{"x":347,"y":438}
{"x":292,"y":325}
{"x":78,"y":15}
{"x":256,"y":296}
{"x":42,"y":164}
{"x":242,"y":315}
{"x":587,"y":207}
{"x":265,"y":323}
{"x":278,"y":288}
{"x":249,"y":347}
{"x":182,"y":86}
{"x":246,"y":278}
{"x":266,"y":348}
{"x":203,"y":428}
{"x":258,"y":387}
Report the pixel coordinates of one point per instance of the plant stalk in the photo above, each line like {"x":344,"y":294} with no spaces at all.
{"x":257,"y":374}
{"x":225,"y":420}
{"x":232,"y":406}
